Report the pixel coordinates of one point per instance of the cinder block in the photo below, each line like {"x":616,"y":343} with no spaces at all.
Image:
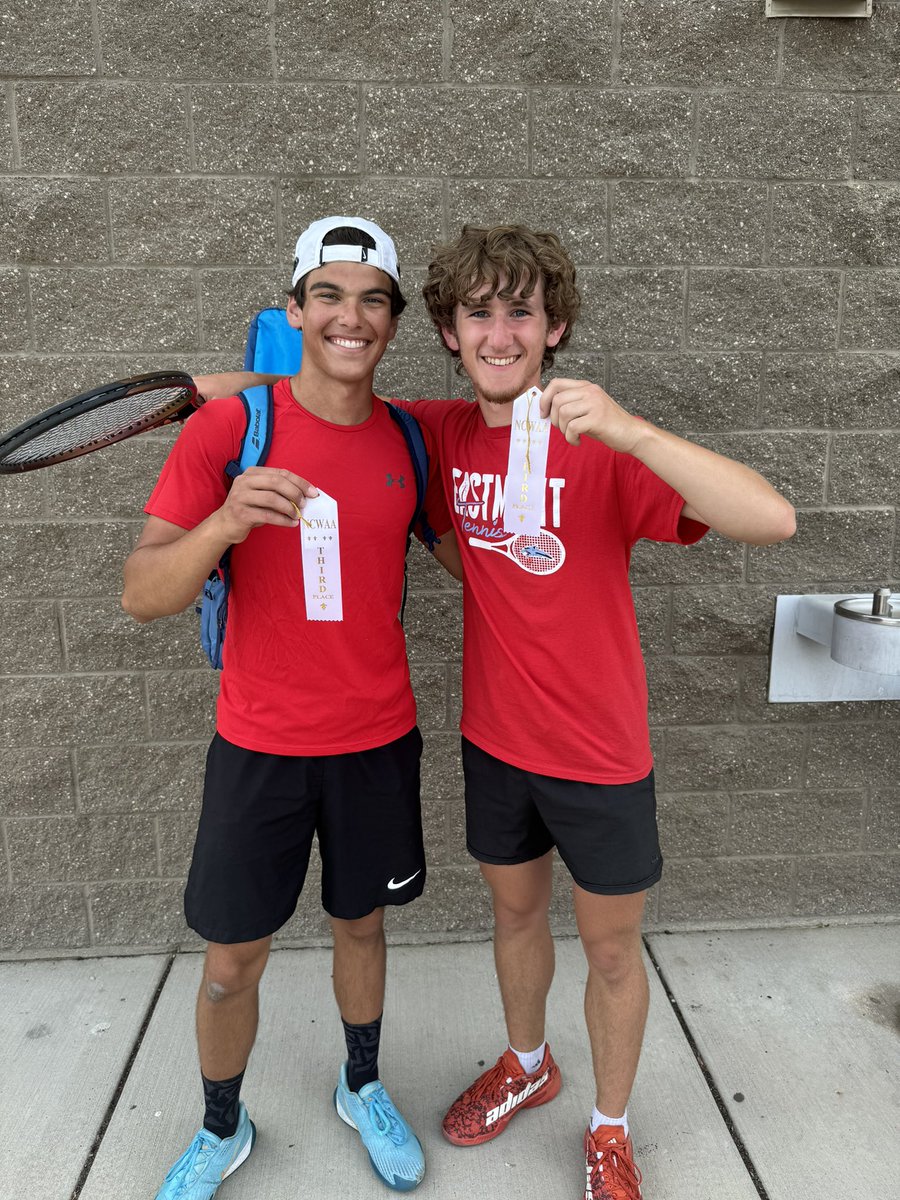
{"x":878,"y":138}
{"x":573,"y":209}
{"x":828,"y":545}
{"x":73,"y":849}
{"x":410,"y":210}
{"x":795,"y":822}
{"x":40,"y":712}
{"x":726,"y":889}
{"x":882,"y":829}
{"x":425,"y":573}
{"x":437,"y":131}
{"x":854,"y":224}
{"x":22,"y":497}
{"x":861,"y":55}
{"x":864,"y":468}
{"x":652,"y":608}
{"x":767,"y":135}
{"x":100,"y":636}
{"x":794,"y":463}
{"x":711,"y":560}
{"x":206,"y":222}
{"x":639,"y":133}
{"x":778,"y":310}
{"x":62,"y":559}
{"x":183,"y":704}
{"x":831,"y":391}
{"x":14,"y":307}
{"x":693,"y":43}
{"x":719,"y":619}
{"x":433,"y":625}
{"x":684,"y":392}
{"x":186,"y":39}
{"x":114,"y":309}
{"x":852,"y":756}
{"x":29,"y":638}
{"x":690,"y":223}
{"x":230,"y":299}
{"x":442,"y":774}
{"x":846,"y":885}
{"x":116,"y":482}
{"x":41,"y":918}
{"x":692,"y":826}
{"x":871,"y":319}
{"x":102,"y":128}
{"x":53,"y":221}
{"x":418,"y":376}
{"x":7,"y":153}
{"x":291,"y":129}
{"x":41,"y":39}
{"x":554,"y":43}
{"x":36,"y":783}
{"x":630,"y":309}
{"x":415,"y":332}
{"x":365,"y":39}
{"x":430,"y":686}
{"x":739,"y":758}
{"x":148,"y":912}
{"x":454,"y":670}
{"x":140,"y":778}
{"x":692,"y":691}
{"x":444,"y":822}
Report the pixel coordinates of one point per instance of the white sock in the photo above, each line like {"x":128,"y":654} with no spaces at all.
{"x":599,"y":1118}
{"x":530,"y":1059}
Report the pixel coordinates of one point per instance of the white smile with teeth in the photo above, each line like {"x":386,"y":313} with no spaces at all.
{"x":349,"y":343}
{"x":501,"y":362}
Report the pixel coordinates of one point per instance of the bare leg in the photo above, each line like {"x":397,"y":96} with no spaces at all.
{"x":523,"y":947}
{"x":360,"y":958}
{"x":228,"y":1006}
{"x":617,"y":995}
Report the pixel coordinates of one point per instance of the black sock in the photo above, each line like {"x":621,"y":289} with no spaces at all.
{"x":362,"y":1053}
{"x":223,"y":1099}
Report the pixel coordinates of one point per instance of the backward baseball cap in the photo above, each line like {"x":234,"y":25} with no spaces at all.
{"x":310,"y":253}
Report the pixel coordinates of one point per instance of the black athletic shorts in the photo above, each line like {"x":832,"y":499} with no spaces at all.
{"x":259,"y":814}
{"x":605,"y":833}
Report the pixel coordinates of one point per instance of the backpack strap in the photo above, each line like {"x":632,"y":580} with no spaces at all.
{"x":259,"y":407}
{"x":415,"y":444}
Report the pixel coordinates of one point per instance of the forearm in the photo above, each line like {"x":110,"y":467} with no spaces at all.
{"x":164,"y":578}
{"x":728,"y":496}
{"x":229,"y":383}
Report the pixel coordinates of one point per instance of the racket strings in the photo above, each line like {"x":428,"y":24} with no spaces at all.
{"x":540,"y":553}
{"x":97,"y":427}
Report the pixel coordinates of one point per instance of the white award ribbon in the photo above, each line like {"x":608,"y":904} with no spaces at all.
{"x":526,"y":471}
{"x":320,"y":546}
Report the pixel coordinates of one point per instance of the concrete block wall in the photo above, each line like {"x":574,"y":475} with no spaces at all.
{"x":730,"y":189}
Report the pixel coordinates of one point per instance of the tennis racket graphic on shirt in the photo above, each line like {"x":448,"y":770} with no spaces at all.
{"x":538,"y":553}
{"x":98,"y":418}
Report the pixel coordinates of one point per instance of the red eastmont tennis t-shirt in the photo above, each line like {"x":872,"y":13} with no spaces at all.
{"x":291,"y":685}
{"x":553,"y":677}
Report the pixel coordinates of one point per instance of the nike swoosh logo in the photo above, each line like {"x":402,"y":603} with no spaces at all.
{"x":403,"y":882}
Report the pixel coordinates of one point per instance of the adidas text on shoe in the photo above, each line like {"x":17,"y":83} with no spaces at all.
{"x":609,"y":1165}
{"x":394,"y":1150}
{"x":207,"y":1161}
{"x":486,"y":1107}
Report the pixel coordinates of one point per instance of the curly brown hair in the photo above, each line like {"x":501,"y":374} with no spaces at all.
{"x":513,"y":256}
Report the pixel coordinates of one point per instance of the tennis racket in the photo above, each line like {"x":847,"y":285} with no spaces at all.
{"x":98,"y":418}
{"x":538,"y":553}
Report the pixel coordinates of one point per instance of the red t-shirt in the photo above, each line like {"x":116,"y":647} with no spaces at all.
{"x":553,"y":677}
{"x":290,"y":685}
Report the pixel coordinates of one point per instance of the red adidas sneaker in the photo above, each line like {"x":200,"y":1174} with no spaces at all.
{"x":486,"y":1107}
{"x":609,"y":1165}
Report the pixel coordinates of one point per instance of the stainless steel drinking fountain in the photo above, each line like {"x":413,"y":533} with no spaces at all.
{"x":836,"y":648}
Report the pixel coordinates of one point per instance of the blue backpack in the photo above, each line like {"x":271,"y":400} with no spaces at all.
{"x":259,"y":410}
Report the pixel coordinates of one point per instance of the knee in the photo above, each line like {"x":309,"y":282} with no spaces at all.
{"x":368,"y":930}
{"x":614,"y":958}
{"x":519,"y":916}
{"x":228,"y":973}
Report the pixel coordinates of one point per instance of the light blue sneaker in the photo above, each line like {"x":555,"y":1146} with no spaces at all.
{"x":394,"y":1150}
{"x":207,"y":1161}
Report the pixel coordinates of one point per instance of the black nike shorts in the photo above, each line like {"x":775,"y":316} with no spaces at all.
{"x":260,"y":812}
{"x":605,"y":833}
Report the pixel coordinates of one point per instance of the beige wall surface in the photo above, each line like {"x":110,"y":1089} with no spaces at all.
{"x":730,"y":190}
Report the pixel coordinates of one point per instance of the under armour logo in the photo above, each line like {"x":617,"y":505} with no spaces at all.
{"x":400,"y":481}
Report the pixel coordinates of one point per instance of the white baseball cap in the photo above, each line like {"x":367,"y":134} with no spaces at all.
{"x":311,"y":254}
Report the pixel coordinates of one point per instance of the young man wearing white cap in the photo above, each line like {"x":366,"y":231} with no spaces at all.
{"x":315,"y":728}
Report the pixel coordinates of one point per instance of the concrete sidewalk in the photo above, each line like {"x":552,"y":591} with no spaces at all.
{"x":770,"y":1069}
